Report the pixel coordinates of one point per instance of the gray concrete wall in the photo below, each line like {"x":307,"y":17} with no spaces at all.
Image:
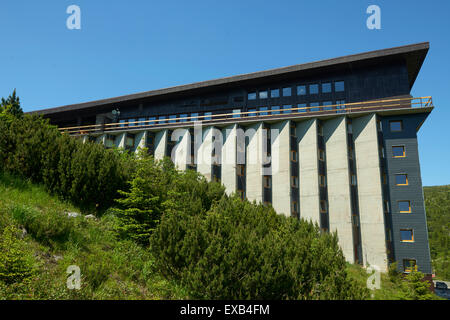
{"x":338,"y":183}
{"x":281,"y":168}
{"x":204,"y":159}
{"x":229,"y":159}
{"x":160,"y":144}
{"x":254,"y":178}
{"x":309,"y":170}
{"x":182,"y":150}
{"x":370,"y":192}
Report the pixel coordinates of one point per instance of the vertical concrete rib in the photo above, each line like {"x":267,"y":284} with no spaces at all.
{"x":181,"y":153}
{"x":229,"y":157}
{"x":370,"y":192}
{"x":281,"y":167}
{"x":160,"y":144}
{"x":309,"y":170}
{"x":204,"y":154}
{"x":120,"y":140}
{"x":141,"y":141}
{"x":338,"y":183}
{"x":254,"y":178}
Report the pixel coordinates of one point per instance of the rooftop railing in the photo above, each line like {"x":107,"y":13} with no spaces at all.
{"x":346,"y":108}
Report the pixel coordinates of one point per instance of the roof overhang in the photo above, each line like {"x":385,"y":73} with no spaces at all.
{"x":414,"y":56}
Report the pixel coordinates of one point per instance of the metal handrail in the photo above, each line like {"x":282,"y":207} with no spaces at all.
{"x":421,"y":102}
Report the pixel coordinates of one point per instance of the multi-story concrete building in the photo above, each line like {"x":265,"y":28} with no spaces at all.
{"x":332,"y":141}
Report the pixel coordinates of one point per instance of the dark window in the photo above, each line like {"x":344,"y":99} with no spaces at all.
{"x":406,"y":235}
{"x":152,"y":118}
{"x":208,"y":116}
{"x":326,"y":87}
{"x":162,"y":120}
{"x":263,"y":94}
{"x":327,"y":104}
{"x":396,"y":126}
{"x":301,"y":90}
{"x":404,"y":206}
{"x":236,"y":113}
{"x":194,"y":116}
{"x":302,"y":107}
{"x":339,"y":86}
{"x":313,"y":89}
{"x":172,"y":118}
{"x":252,"y":96}
{"x":275,"y":108}
{"x":398,"y":151}
{"x":287,"y":109}
{"x":275,"y":93}
{"x":251,"y":114}
{"x":409,"y":265}
{"x":323,"y":206}
{"x":183,"y":117}
{"x":287,"y":92}
{"x":314,"y":106}
{"x":401,"y":179}
{"x":263,"y":113}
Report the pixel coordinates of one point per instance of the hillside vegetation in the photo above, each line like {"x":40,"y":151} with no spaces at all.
{"x":437,"y":203}
{"x":140,"y":229}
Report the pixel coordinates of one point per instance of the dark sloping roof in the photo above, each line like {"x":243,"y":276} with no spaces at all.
{"x":413,"y":54}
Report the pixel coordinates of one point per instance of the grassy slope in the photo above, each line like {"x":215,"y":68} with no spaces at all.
{"x":111,"y":269}
{"x":437,"y":202}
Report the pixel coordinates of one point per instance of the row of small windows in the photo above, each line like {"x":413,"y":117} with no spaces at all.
{"x":236,"y":113}
{"x":302,"y":90}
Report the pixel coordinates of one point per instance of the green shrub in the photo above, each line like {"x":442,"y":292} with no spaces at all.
{"x":16,"y":263}
{"x":157,"y":187}
{"x":85,"y":173}
{"x":240,"y":250}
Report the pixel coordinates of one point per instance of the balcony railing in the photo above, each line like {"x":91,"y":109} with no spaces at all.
{"x":346,"y":108}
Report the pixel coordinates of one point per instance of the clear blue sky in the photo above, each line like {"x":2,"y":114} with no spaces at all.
{"x":130,"y":46}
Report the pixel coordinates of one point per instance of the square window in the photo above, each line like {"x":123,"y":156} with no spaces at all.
{"x":401,"y":179}
{"x":340,"y":106}
{"x":287,"y":109}
{"x":275,"y":108}
{"x":404,"y":206}
{"x":162,"y":120}
{"x":122,"y":122}
{"x":326,"y":87}
{"x":194,"y":116}
{"x":236,"y":113}
{"x":252,"y":96}
{"x":302,"y":107}
{"x":141,"y":122}
{"x":172,"y":118}
{"x":314,"y":106}
{"x":339,"y":86}
{"x":263,"y":113}
{"x":151,"y":122}
{"x":301,"y":90}
{"x":396,"y":126}
{"x":275,"y":93}
{"x":263,"y":94}
{"x":406,"y":235}
{"x":398,"y":151}
{"x":252,"y":114}
{"x":313,"y":89}
{"x":183,"y":117}
{"x":409,"y":265}
{"x":208,"y":116}
{"x":287,"y":92}
{"x":327,"y":105}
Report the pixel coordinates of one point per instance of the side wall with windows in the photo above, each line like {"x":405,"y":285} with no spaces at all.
{"x":418,"y":249}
